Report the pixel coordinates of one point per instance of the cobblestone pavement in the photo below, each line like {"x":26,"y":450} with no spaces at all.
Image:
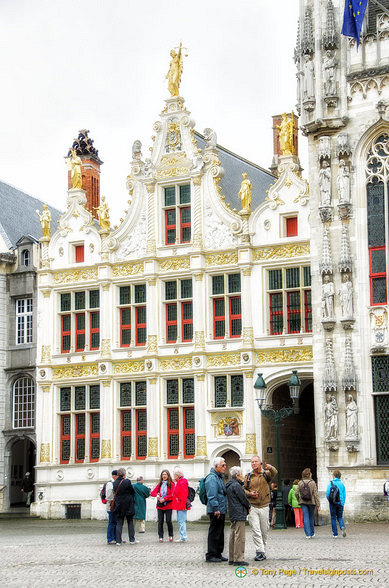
{"x":36,"y":553}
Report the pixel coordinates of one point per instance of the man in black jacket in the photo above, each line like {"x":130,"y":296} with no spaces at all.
{"x":238,"y":508}
{"x":124,"y":506}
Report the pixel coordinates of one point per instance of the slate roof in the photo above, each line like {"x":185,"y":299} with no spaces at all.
{"x":234,"y":165}
{"x":18,"y":216}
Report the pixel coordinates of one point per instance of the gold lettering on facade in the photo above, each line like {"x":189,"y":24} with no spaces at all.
{"x":80,"y":275}
{"x":287,"y":355}
{"x":127,"y":269}
{"x":282,"y":251}
{"x":75,"y":371}
{"x":224,"y":359}
{"x":229,"y":258}
{"x":176,"y":363}
{"x":174,"y":263}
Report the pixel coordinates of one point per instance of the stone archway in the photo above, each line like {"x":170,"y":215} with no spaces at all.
{"x":21,"y":460}
{"x":297,"y":435}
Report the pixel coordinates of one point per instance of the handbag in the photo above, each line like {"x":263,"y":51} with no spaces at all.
{"x":112,"y":506}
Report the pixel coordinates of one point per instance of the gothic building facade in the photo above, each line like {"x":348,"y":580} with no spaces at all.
{"x":343,"y":102}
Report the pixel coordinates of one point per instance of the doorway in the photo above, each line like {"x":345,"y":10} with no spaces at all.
{"x":232,"y":459}
{"x":23,"y":453}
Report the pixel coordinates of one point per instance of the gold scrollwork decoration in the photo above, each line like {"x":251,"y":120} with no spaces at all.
{"x":106,"y":451}
{"x":201,"y":446}
{"x":44,"y":454}
{"x":224,"y":359}
{"x":251,"y":444}
{"x":174,"y":263}
{"x":75,"y":371}
{"x":79,"y":275}
{"x":128,"y":269}
{"x":125,"y":367}
{"x":46,"y":354}
{"x":152,"y":343}
{"x":176,"y":363}
{"x":286,"y":354}
{"x":153,"y":447}
{"x":282,"y":251}
{"x":229,"y":258}
{"x":199,"y":340}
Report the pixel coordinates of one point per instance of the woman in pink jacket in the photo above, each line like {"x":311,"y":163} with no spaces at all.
{"x":180,"y":501}
{"x":164,"y":493}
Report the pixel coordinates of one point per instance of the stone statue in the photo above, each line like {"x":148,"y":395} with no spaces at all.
{"x":148,"y":168}
{"x":45,"y":219}
{"x":343,"y":182}
{"x":285,"y":133}
{"x":175,"y":71}
{"x":210,"y":138}
{"x":351,"y":418}
{"x":327,"y":297}
{"x":136,"y":150}
{"x":308,"y":69}
{"x":103,"y":215}
{"x":245,"y":193}
{"x":74,"y":164}
{"x":346,"y":297}
{"x":331,"y":419}
{"x":330,"y":73}
{"x":325,"y":184}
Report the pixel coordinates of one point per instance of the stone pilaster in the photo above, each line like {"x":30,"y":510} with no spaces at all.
{"x":106,"y":429}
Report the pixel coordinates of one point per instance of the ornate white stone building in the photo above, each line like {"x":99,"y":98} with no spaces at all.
{"x":151,"y":333}
{"x":343,"y":102}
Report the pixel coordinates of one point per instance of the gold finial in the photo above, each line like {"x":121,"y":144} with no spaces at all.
{"x":74,"y":164}
{"x":103,"y":215}
{"x":45,"y":219}
{"x":175,"y":70}
{"x":245,"y":192}
{"x":285,"y":133}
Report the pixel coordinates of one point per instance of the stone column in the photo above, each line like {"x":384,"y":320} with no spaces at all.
{"x":106,"y":417}
{"x":200,"y":416}
{"x":251,"y":405}
{"x":153,"y":417}
{"x":247,"y":319}
{"x":44,"y":428}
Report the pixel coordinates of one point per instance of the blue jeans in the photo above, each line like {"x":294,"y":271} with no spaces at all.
{"x":336,"y":512}
{"x":111,"y":527}
{"x":181,"y":520}
{"x":309,"y":520}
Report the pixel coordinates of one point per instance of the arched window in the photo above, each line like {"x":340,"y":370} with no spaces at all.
{"x":24,"y":403}
{"x":377,"y":174}
{"x":26,"y":257}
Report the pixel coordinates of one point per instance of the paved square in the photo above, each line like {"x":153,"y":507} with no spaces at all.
{"x":36,"y":553}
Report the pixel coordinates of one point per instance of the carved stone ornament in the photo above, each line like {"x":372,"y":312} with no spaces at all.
{"x":44,"y":456}
{"x":349,"y":378}
{"x":106,"y":452}
{"x":284,"y":355}
{"x":345,"y":262}
{"x":345,"y":211}
{"x":201,"y":446}
{"x":332,"y":445}
{"x":351,"y":411}
{"x":324,"y":148}
{"x":307,"y":39}
{"x":326,"y":214}
{"x":343,"y":148}
{"x":343,"y":182}
{"x":325,"y":183}
{"x":251,"y":444}
{"x":327,"y":297}
{"x":330,"y":35}
{"x":326,"y":266}
{"x":352,"y":447}
{"x":210,"y":138}
{"x":228,"y":427}
{"x":153,"y":447}
{"x":379,"y":330}
{"x":346,"y":298}
{"x":129,"y":367}
{"x":331,"y":419}
{"x":329,"y":380}
{"x":173,"y":141}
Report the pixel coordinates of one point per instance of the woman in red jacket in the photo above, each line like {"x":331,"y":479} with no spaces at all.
{"x":164,"y":493}
{"x":180,"y":498}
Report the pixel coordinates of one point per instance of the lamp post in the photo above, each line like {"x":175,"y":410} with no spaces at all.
{"x":277,"y":416}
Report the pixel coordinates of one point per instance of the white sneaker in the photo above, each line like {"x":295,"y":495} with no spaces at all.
{"x":133,"y":542}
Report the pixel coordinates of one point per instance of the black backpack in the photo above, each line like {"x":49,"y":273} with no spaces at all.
{"x":103,"y":495}
{"x":334,"y":495}
{"x":305,"y":492}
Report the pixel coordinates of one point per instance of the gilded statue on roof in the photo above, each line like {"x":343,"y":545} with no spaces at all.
{"x":245,"y":193}
{"x":103,"y":215}
{"x":285,"y":133}
{"x":175,"y":71}
{"x":74,"y":165}
{"x":45,"y":219}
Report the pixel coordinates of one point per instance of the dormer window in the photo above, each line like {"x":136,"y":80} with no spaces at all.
{"x":177,"y":214}
{"x":25,"y":257}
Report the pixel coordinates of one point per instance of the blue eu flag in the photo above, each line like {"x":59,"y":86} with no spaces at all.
{"x":354,"y":11}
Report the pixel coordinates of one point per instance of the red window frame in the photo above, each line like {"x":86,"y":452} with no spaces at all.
{"x":186,"y":321}
{"x":234,"y":317}
{"x":79,"y":436}
{"x":307,"y":311}
{"x":124,"y":327}
{"x":218,"y":318}
{"x":65,"y":333}
{"x":170,"y":227}
{"x":94,"y":330}
{"x":184,"y":225}
{"x":139,"y":433}
{"x":187,"y":432}
{"x":292,"y":312}
{"x":92,"y":436}
{"x":373,"y":276}
{"x":124,"y":434}
{"x":64,"y":437}
{"x":79,"y":331}
{"x":138,"y":326}
{"x":170,"y":323}
{"x":292,"y":226}
{"x":274,"y":313}
{"x":79,"y":253}
{"x":171,"y":432}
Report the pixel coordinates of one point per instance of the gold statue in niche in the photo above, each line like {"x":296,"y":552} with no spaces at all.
{"x":285,"y":133}
{"x":74,"y":164}
{"x":175,"y":71}
{"x":245,"y":193}
{"x":103,"y":215}
{"x":45,"y":219}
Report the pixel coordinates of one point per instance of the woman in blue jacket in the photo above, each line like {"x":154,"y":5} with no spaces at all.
{"x":336,"y":510}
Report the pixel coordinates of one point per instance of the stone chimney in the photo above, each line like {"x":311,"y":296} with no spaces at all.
{"x":90,"y":170}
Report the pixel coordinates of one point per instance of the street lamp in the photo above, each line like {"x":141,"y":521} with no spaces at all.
{"x":277,"y":416}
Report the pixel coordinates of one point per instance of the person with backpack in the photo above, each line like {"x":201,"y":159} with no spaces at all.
{"x":106,"y":495}
{"x":308,"y":498}
{"x":336,"y":496}
{"x":294,"y":504}
{"x":257,"y":490}
{"x":123,"y":506}
{"x":180,"y":502}
{"x":216,"y":510}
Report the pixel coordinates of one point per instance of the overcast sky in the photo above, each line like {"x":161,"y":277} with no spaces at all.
{"x":101,"y":65}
